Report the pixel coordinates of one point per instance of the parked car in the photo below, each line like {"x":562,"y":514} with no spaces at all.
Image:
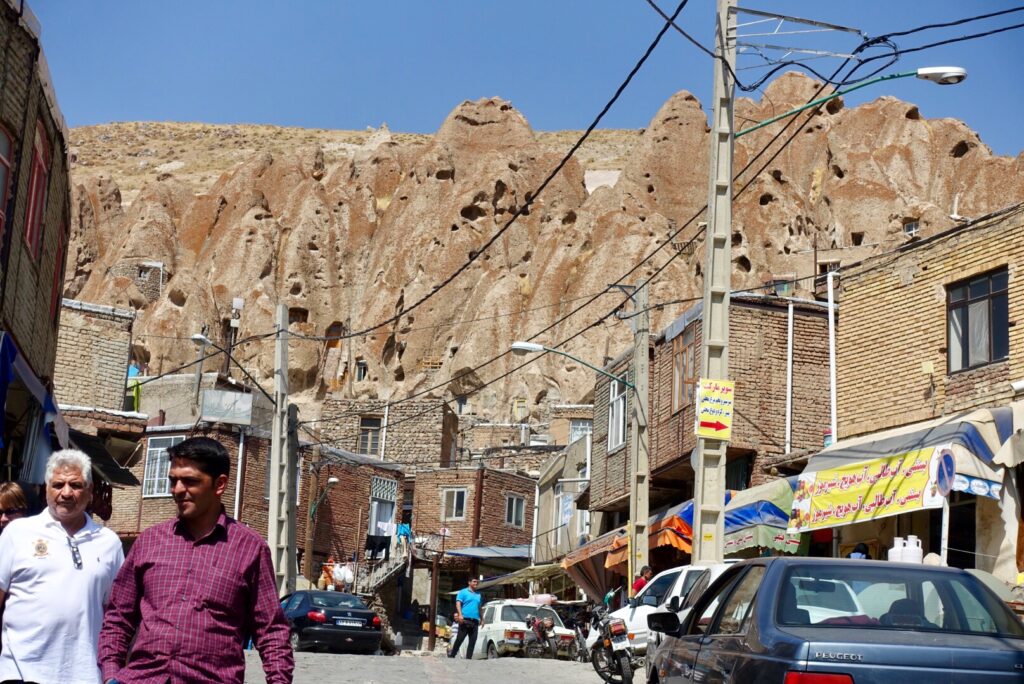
{"x":503,"y":629}
{"x":804,"y":620}
{"x":331,"y":620}
{"x":666,"y":589}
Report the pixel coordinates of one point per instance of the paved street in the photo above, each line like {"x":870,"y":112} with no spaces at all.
{"x":325,"y":668}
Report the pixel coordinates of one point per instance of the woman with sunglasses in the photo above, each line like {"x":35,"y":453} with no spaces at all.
{"x":13,"y":504}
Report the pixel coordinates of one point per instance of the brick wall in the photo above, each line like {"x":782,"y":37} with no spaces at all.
{"x":27,"y":280}
{"x":92,"y":355}
{"x":529,"y":459}
{"x":894,"y":325}
{"x":757,"y":364}
{"x":495,"y":485}
{"x":609,"y":479}
{"x":421,"y":434}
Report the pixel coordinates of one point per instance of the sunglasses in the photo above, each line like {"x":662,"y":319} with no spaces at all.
{"x":11,"y":512}
{"x":76,"y":556}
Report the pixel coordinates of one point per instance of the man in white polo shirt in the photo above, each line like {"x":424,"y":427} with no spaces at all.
{"x":56,"y":569}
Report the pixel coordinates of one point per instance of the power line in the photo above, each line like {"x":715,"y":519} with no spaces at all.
{"x":532,"y":196}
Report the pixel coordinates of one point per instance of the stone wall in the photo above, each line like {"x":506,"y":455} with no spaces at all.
{"x":92,"y":355}
{"x":148,"y":276}
{"x":526,"y":459}
{"x":892,"y":341}
{"x":420,"y":433}
{"x":30,"y":283}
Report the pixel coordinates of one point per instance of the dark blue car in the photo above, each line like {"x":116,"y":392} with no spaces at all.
{"x":827,"y":621}
{"x":331,"y":620}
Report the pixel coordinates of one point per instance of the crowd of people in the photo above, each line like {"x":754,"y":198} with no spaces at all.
{"x":190,"y":594}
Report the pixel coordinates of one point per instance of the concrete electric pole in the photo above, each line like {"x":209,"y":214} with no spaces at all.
{"x":283,"y":457}
{"x":709,"y":492}
{"x":639,"y":508}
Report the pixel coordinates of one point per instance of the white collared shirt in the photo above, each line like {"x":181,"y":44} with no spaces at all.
{"x":53,"y":611}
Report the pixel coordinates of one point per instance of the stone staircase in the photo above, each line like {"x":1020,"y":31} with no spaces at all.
{"x":373,"y":574}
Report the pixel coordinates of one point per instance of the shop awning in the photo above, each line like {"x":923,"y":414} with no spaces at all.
{"x":102,"y":461}
{"x":585,"y":565}
{"x":909,"y":468}
{"x":521,"y":551}
{"x":762,"y":536}
{"x":529,"y":574}
{"x":758,"y":517}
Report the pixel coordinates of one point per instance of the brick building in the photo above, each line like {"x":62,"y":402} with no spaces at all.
{"x":757,"y":364}
{"x":35,"y":210}
{"x":560,"y":525}
{"x":92,"y":354}
{"x":418,"y":434}
{"x":929,"y":346}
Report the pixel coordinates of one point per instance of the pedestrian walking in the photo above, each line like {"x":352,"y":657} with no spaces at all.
{"x":467,"y":617}
{"x":13,"y":504}
{"x":195,"y":589}
{"x":56,"y":571}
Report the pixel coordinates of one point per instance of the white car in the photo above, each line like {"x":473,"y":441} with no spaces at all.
{"x":503,"y":629}
{"x":666,"y":591}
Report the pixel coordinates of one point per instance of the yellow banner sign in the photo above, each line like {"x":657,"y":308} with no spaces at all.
{"x":866,"y":491}
{"x":713,"y":417}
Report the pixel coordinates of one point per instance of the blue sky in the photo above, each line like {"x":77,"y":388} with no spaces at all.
{"x":347,"y":65}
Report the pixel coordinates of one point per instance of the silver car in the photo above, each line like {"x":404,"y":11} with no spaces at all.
{"x":828,"y":621}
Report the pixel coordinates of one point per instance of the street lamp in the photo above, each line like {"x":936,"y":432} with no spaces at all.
{"x":524,"y":348}
{"x":331,"y":481}
{"x":942,"y":75}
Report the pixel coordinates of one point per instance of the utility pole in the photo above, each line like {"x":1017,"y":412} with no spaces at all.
{"x":283,"y":448}
{"x":709,"y":492}
{"x":200,"y":353}
{"x":639,"y":508}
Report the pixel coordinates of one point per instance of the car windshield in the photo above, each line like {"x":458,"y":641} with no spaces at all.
{"x":892,"y":598}
{"x":330,"y":599}
{"x":518,"y":613}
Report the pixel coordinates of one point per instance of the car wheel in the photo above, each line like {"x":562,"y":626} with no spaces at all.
{"x":296,"y":644}
{"x":492,"y":651}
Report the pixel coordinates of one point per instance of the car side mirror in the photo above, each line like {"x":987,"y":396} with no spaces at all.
{"x":632,"y":603}
{"x":666,"y":623}
{"x":674,"y":603}
{"x":650,"y":600}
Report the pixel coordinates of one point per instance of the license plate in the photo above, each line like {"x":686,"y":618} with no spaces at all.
{"x":620,"y":641}
{"x":514,"y":642}
{"x":347,"y":623}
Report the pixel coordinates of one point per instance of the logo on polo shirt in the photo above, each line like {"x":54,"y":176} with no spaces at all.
{"x":41,"y":548}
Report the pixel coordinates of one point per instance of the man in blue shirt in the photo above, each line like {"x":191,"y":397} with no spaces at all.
{"x":467,"y":614}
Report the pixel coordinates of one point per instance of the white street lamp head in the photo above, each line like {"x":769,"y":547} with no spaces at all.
{"x":201,"y":339}
{"x":333,"y":480}
{"x":527,"y":347}
{"x":943,"y":75}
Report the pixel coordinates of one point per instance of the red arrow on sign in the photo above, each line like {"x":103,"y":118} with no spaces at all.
{"x":716,"y":426}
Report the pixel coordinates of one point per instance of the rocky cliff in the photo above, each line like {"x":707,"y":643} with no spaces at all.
{"x":348,"y":229}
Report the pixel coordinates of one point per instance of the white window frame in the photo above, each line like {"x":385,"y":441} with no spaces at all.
{"x":155,"y":482}
{"x":616,"y":414}
{"x":579,"y":428}
{"x":362,"y":370}
{"x":453,"y":495}
{"x":515,"y":510}
{"x":582,"y":514}
{"x":556,"y":523}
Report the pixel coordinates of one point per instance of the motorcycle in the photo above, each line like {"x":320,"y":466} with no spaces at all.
{"x":541,"y":641}
{"x":611,"y":653}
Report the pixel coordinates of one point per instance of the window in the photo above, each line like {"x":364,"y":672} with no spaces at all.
{"x":826,"y":267}
{"x":737,"y":472}
{"x":911,"y":228}
{"x":37,"y":182}
{"x":454,"y":504}
{"x":659,"y":586}
{"x":361,"y":370}
{"x":735,"y":615}
{"x":557,"y":521}
{"x":515,"y":511}
{"x":462,"y":404}
{"x":383,"y":504}
{"x":684,"y":370}
{"x":57,"y":287}
{"x":579,"y":428}
{"x":519,"y":409}
{"x":6,"y":147}
{"x":369,"y":436}
{"x":296,"y":314}
{"x":616,"y":414}
{"x":979,"y":321}
{"x":582,"y":514}
{"x":154,"y":481}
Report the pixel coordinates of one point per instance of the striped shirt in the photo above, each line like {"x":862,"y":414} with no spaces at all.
{"x":191,"y":606}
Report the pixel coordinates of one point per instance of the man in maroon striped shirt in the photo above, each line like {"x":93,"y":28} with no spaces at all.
{"x":193,"y":590}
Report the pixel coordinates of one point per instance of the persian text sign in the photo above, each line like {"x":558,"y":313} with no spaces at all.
{"x":866,"y":491}
{"x":713,"y":417}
